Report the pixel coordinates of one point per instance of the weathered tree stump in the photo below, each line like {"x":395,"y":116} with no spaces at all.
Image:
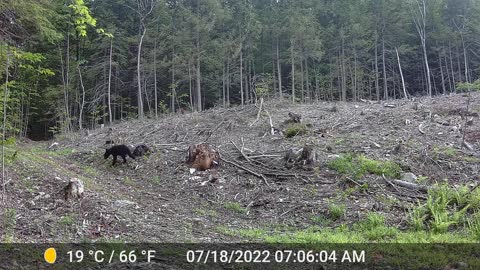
{"x":304,"y":156}
{"x":74,"y":189}
{"x":202,"y":157}
{"x":141,"y":150}
{"x":295,"y":118}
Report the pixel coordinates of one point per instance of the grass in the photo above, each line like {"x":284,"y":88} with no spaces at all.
{"x":374,"y":228}
{"x":446,"y":209}
{"x":205,"y":212}
{"x":235,"y":207}
{"x":156,"y":180}
{"x":370,"y":230}
{"x":68,"y":220}
{"x":321,"y":220}
{"x":128,"y":181}
{"x":294,"y":129}
{"x":9,"y":223}
{"x":336,"y":211}
{"x":446,"y":151}
{"x":357,"y":166}
{"x":474,"y":225}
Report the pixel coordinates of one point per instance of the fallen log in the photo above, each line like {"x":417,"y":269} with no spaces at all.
{"x":409,"y":185}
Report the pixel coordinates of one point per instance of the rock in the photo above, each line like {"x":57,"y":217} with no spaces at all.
{"x":409,"y":177}
{"x":122,"y":203}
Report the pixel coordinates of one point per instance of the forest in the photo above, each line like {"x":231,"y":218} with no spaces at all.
{"x":76,"y":64}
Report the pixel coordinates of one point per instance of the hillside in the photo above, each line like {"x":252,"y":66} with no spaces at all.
{"x":252,"y":195}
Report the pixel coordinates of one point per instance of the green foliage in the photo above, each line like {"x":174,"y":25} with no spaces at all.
{"x":82,"y":17}
{"x":295,"y":129}
{"x":9,"y":223}
{"x":321,"y":220}
{"x":236,"y":207}
{"x":156,"y":180}
{"x":475,"y":86}
{"x":336,"y":211}
{"x":67,"y":220}
{"x":445,"y":208}
{"x":474,"y":225}
{"x":359,"y":165}
{"x":375,"y":229}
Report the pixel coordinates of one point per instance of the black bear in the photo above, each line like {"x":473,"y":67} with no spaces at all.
{"x":118,"y":150}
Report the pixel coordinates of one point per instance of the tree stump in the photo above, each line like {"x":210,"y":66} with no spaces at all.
{"x":74,"y":189}
{"x":202,"y":157}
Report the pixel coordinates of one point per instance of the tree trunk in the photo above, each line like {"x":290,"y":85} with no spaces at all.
{"x":317,"y":88}
{"x":110,"y":116}
{"x":343,"y":72}
{"x":241,"y":76}
{"x":274,"y":77}
{"x":82,"y":105}
{"x":199,"y":90}
{"x":429,"y":81}
{"x":293,"y":69}
{"x":302,"y":90}
{"x":401,"y":75}
{"x":190,"y":84}
{"x":307,"y":81}
{"x":444,"y":91}
{"x":246,"y":86}
{"x":450,"y":88}
{"x":279,"y":72}
{"x":139,"y":80}
{"x":4,"y":125}
{"x":198,"y":81}
{"x":451,"y":67}
{"x":173,"y":86}
{"x":377,"y":85}
{"x":460,"y":78}
{"x":467,"y":79}
{"x":155,"y":85}
{"x":385,"y":87}
{"x":228,"y":82}
{"x":223,"y":85}
{"x":355,"y":79}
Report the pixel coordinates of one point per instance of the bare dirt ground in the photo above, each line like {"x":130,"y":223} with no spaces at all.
{"x":155,"y":198}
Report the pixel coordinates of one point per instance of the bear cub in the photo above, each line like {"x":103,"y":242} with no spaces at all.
{"x":118,"y":150}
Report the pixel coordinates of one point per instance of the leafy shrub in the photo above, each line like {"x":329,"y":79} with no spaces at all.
{"x":294,"y":129}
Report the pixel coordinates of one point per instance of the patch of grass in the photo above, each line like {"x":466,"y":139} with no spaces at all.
{"x":359,"y":165}
{"x":446,"y":151}
{"x":205,"y":212}
{"x":90,"y":171}
{"x":339,"y":141}
{"x":321,"y":220}
{"x":374,"y":228}
{"x":445,"y":209}
{"x":68,"y":220}
{"x":156,"y":180}
{"x":336,"y":211}
{"x":471,"y":159}
{"x":422,"y":179}
{"x":294,"y":129}
{"x":474,"y":225}
{"x":9,"y":223}
{"x":128,"y":181}
{"x":366,"y":231}
{"x":235,"y":207}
